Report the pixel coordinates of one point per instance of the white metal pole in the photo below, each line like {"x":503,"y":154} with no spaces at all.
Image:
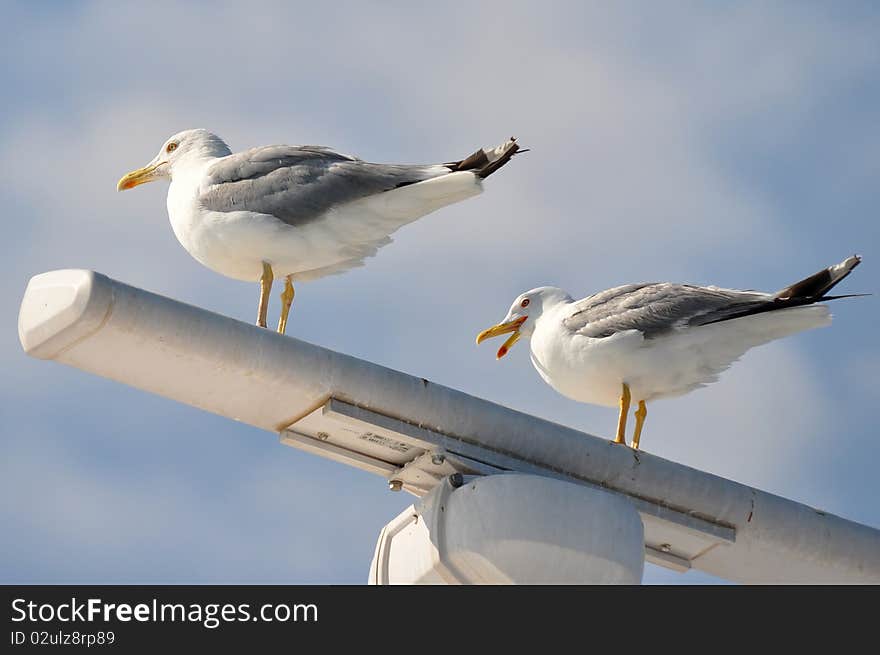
{"x":235,"y":369}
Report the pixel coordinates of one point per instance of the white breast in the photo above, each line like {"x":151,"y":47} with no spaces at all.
{"x":581,"y":368}
{"x":182,"y":203}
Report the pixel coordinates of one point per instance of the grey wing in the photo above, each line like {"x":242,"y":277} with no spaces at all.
{"x":298,"y":184}
{"x":656,"y":308}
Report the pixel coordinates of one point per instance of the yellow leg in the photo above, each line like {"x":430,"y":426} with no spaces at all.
{"x":641,"y":413}
{"x":286,"y":301}
{"x":621,"y":419}
{"x":265,"y":289}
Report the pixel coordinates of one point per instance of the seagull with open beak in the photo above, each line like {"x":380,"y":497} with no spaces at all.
{"x":639,"y":342}
{"x":522,"y":317}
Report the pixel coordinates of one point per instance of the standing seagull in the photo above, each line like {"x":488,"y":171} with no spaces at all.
{"x":647,"y":341}
{"x":297,"y":212}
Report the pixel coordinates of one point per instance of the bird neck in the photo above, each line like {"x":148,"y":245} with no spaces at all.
{"x":206,"y":150}
{"x":211,"y":146}
{"x":550,"y":307}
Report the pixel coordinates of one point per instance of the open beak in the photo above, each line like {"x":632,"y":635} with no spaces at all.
{"x":140,"y":176}
{"x":503,"y":328}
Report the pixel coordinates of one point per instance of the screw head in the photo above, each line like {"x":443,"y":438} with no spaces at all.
{"x":665,"y":548}
{"x":456,"y":480}
{"x":395,"y":485}
{"x":437,"y":459}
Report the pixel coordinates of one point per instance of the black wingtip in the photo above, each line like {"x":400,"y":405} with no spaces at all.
{"x":479,"y":161}
{"x":818,"y":284}
{"x":845,"y":295}
{"x":512,"y":149}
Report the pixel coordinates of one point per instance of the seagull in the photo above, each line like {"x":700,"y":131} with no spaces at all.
{"x":297,"y":212}
{"x":641,"y":342}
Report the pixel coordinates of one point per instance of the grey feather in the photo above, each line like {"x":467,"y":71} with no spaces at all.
{"x":298,"y":184}
{"x":657,"y":308}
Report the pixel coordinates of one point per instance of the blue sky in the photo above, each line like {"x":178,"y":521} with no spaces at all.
{"x":709,"y":143}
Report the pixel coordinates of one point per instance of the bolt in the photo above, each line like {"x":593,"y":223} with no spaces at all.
{"x":395,"y":485}
{"x":456,"y":480}
{"x":437,"y":459}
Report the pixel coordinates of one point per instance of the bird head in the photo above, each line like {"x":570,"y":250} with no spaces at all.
{"x":183,"y":147}
{"x":525,"y":312}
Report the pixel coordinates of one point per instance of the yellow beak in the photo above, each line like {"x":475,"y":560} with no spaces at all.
{"x":140,"y":176}
{"x":503,"y":328}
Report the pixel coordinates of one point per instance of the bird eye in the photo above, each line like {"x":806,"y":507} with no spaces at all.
{"x":171,"y":147}
{"x":524,"y":303}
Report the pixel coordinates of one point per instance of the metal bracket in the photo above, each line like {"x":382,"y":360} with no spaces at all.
{"x":416,"y":459}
